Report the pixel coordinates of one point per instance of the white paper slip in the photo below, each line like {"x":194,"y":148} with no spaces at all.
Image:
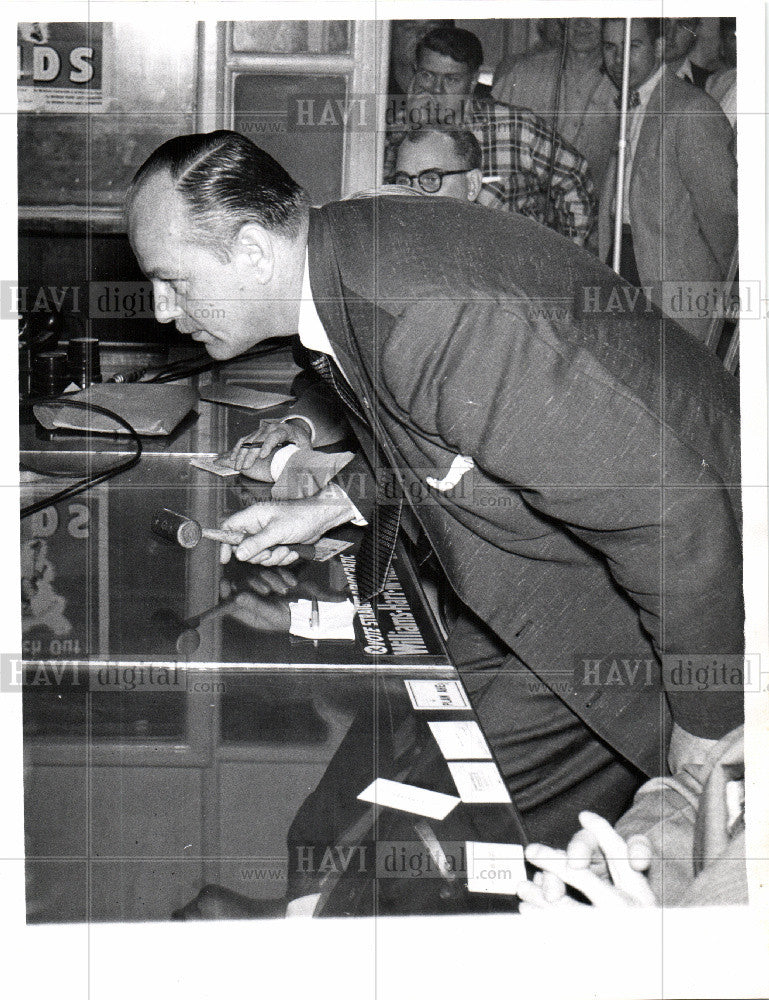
{"x":335,"y":619}
{"x":214,"y":465}
{"x":494,"y":867}
{"x":409,"y":798}
{"x":478,"y":781}
{"x":327,"y":548}
{"x":460,"y":739}
{"x":442,"y":695}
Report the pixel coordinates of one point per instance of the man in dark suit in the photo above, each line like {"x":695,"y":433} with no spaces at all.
{"x":679,"y":208}
{"x":574,"y":469}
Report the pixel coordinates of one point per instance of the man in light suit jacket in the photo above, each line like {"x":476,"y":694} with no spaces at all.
{"x":680,"y":192}
{"x":574,"y":471}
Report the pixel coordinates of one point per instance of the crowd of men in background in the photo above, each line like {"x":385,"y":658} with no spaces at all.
{"x":543,"y":141}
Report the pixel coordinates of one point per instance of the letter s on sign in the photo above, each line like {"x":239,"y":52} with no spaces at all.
{"x":78,"y":522}
{"x":80,"y":60}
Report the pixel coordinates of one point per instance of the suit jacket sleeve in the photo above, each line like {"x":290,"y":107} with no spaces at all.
{"x":320,"y":406}
{"x":547,"y":420}
{"x":708,"y":168}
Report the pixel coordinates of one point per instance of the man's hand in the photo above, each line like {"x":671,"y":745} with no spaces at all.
{"x":628,"y":887}
{"x":585,"y":850}
{"x":266,"y":581}
{"x":271,"y":434}
{"x":263,"y":615}
{"x":272,"y":527}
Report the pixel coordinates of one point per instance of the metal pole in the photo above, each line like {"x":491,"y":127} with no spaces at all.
{"x":549,"y":211}
{"x":619,"y":196}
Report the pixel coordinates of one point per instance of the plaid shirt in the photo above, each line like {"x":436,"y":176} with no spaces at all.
{"x":517,"y":147}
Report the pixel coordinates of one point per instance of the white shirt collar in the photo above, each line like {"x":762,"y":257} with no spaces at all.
{"x":684,"y":71}
{"x":310,"y":328}
{"x":647,"y":87}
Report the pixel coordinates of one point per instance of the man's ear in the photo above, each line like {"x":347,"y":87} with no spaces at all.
{"x":474,"y":184}
{"x":659,"y":48}
{"x":253,"y":252}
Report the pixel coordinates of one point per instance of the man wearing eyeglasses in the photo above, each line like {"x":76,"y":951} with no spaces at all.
{"x":528,"y":168}
{"x":440,"y":161}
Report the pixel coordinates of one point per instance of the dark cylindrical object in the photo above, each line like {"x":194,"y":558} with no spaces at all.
{"x":25,"y":372}
{"x":177,"y":528}
{"x":50,"y":376}
{"x":84,"y":360}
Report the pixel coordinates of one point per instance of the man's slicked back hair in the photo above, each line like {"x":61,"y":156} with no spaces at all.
{"x":226,"y":181}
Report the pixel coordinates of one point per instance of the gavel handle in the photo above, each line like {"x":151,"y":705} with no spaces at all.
{"x":231,"y":537}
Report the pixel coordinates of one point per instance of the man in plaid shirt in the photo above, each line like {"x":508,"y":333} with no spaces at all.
{"x":519,"y":148}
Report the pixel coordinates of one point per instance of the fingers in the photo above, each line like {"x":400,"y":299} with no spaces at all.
{"x":553,"y":888}
{"x":243,"y":455}
{"x":257,"y":468}
{"x":249,"y":520}
{"x":639,"y":851}
{"x":530,"y":893}
{"x":280,"y":555}
{"x":608,"y":841}
{"x":255,"y":547}
{"x":244,"y":452}
{"x":629,"y":882}
{"x":266,"y":548}
{"x":273,"y":439}
{"x":585,"y":881}
{"x":276,"y":526}
{"x":629,"y":888}
{"x":581,"y":849}
{"x":544,"y":892}
{"x":273,"y":581}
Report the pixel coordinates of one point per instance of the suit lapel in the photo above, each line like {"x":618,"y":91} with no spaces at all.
{"x":651,"y":130}
{"x":329,"y":299}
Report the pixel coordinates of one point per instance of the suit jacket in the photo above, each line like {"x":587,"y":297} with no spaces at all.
{"x":593,"y":437}
{"x":682,"y":200}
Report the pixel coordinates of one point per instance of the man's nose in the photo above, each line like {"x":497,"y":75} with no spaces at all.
{"x":166,"y":303}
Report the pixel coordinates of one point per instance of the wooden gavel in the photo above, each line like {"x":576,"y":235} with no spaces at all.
{"x":187,"y":532}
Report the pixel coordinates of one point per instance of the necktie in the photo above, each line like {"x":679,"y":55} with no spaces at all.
{"x":378,"y":543}
{"x":633,"y":99}
{"x":330,"y":373}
